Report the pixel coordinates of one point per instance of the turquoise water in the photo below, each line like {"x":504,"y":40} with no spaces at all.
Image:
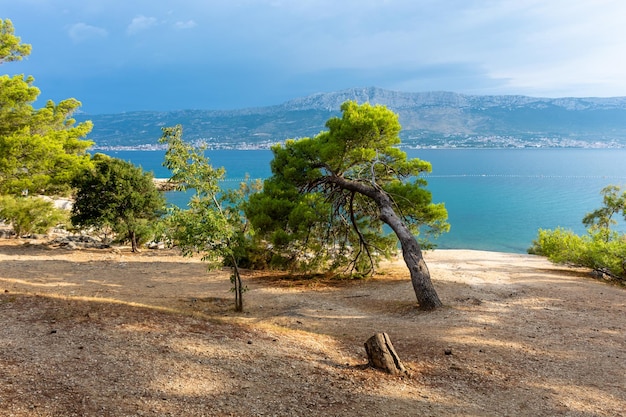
{"x":497,"y":199}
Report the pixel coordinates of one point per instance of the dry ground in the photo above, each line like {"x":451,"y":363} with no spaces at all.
{"x":105,"y":333}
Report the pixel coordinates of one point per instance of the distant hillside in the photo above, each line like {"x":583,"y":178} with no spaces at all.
{"x":441,"y":119}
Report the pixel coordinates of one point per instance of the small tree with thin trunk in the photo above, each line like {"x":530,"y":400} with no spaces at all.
{"x":213,"y":224}
{"x":330,"y":196}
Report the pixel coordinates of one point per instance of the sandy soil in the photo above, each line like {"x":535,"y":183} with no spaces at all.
{"x":109,"y":333}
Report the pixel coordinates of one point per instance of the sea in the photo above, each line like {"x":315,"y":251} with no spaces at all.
{"x":497,"y":199}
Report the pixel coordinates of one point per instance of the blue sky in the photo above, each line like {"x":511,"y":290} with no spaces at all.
{"x":125,"y":55}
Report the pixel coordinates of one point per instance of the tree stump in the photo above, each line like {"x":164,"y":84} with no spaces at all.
{"x":382,"y":355}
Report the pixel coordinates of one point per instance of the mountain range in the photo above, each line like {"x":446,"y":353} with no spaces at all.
{"x":430,"y":119}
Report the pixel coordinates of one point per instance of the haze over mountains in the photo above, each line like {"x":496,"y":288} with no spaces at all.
{"x":431,"y":119}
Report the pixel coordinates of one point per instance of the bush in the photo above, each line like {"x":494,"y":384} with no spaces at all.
{"x":601,"y":249}
{"x":559,"y":245}
{"x":28,"y":215}
{"x":608,"y":256}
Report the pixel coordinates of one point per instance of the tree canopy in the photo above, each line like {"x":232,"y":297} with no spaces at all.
{"x":332,"y":199}
{"x":117,"y":194}
{"x":40,"y":149}
{"x":613,"y":203}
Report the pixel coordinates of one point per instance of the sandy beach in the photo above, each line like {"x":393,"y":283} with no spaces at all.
{"x":111,"y":333}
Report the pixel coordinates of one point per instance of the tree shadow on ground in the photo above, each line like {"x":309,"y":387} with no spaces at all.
{"x":71,"y":357}
{"x":164,"y":339}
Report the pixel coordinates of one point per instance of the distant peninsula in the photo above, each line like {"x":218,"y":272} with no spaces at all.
{"x":429,"y":120}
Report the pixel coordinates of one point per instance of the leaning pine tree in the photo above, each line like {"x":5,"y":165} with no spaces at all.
{"x":329,"y":197}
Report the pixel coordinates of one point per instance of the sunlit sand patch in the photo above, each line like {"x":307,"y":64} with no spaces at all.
{"x":38,"y":284}
{"x":578,"y":397}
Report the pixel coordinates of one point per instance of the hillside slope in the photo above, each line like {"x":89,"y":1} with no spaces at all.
{"x":441,"y":119}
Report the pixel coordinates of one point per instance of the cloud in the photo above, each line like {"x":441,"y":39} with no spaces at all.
{"x":560,"y":48}
{"x":140,"y":23}
{"x":81,"y":32}
{"x":189,"y":24}
{"x":288,"y":48}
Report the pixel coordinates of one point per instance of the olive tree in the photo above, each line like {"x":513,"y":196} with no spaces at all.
{"x":333,"y":197}
{"x":117,"y":194}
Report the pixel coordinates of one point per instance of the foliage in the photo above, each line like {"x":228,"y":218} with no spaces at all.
{"x":601,"y":249}
{"x":602,"y":219}
{"x":117,"y":194}
{"x":40,"y":149}
{"x":28,"y":215}
{"x":560,"y":245}
{"x":213,"y":225}
{"x":310,"y":221}
{"x":289,"y":220}
{"x":11,"y":46}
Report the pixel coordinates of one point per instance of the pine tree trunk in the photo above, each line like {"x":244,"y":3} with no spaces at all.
{"x":420,"y":276}
{"x":412,"y":253}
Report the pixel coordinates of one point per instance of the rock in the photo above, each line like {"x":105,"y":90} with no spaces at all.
{"x":156,"y":245}
{"x":78,"y":242}
{"x":7,"y":233}
{"x":70,"y":246}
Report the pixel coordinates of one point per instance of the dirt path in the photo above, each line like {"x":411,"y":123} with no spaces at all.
{"x":100,"y":333}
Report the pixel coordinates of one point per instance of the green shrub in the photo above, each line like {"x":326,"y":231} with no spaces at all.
{"x":608,"y":256}
{"x":28,"y":215}
{"x":601,"y":249}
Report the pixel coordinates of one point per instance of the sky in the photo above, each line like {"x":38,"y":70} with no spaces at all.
{"x":126,"y":55}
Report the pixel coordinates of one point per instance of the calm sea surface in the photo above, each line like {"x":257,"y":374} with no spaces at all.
{"x":497,"y":199}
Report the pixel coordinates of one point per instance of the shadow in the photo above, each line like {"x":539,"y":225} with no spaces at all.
{"x":160,"y":279}
{"x":537,"y":343}
{"x":71,"y":357}
{"x":552,"y":343}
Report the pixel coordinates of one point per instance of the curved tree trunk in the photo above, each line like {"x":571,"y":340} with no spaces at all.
{"x":420,"y":276}
{"x":412,"y":254}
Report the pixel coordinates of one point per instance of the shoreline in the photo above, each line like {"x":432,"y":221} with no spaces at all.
{"x":431,"y":256}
